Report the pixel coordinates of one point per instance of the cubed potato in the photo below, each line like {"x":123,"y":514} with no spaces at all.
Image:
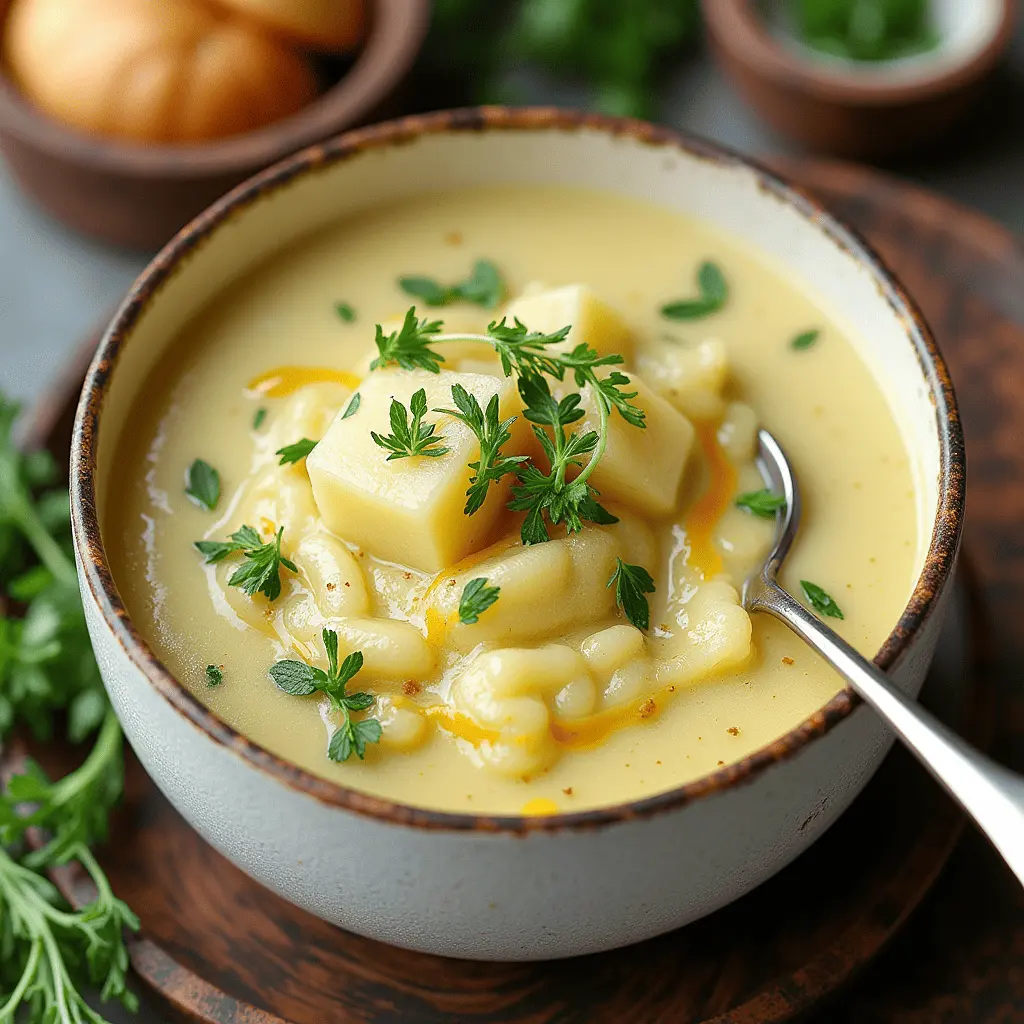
{"x":409,"y":511}
{"x":691,"y":378}
{"x":641,"y":468}
{"x":592,"y":320}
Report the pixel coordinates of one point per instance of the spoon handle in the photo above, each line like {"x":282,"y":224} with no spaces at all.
{"x":991,"y":794}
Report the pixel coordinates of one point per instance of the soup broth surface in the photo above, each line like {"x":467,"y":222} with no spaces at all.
{"x":859,"y":541}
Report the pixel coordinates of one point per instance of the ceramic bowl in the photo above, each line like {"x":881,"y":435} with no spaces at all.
{"x":138,"y":196}
{"x":512,"y":888}
{"x":859,"y":109}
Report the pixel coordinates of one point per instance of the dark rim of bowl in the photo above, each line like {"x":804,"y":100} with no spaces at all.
{"x":739,"y":29}
{"x":939,"y":561}
{"x":396,"y":33}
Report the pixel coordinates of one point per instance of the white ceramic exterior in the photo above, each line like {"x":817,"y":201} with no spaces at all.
{"x":507,"y":888}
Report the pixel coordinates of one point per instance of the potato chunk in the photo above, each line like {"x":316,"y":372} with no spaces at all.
{"x":643,"y":469}
{"x":592,"y":320}
{"x":545,"y":588}
{"x":690,"y":378}
{"x":410,"y":510}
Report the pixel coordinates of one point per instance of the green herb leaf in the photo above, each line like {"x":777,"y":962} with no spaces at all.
{"x":257,"y":420}
{"x":202,"y":485}
{"x":353,"y":406}
{"x":408,"y":439}
{"x":713,"y":291}
{"x":763,"y":503}
{"x":297,"y":678}
{"x":345,"y":312}
{"x":477,"y":597}
{"x":409,"y":346}
{"x":261,"y":570}
{"x":300,"y":679}
{"x":484,"y":287}
{"x":295,"y":452}
{"x":632,"y":582}
{"x":214,"y":676}
{"x":820,"y":601}
{"x":805,"y":340}
{"x":492,"y":434}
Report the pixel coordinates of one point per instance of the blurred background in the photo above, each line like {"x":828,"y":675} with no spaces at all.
{"x":121,"y":119}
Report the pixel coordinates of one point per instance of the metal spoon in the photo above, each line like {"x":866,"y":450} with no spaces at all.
{"x":991,"y":794}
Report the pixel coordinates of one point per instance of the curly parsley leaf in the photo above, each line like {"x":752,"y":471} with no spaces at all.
{"x":484,"y":287}
{"x":301,"y":680}
{"x":492,"y":434}
{"x":295,"y":452}
{"x":477,"y":597}
{"x":713,"y":292}
{"x":821,"y":601}
{"x":261,"y":570}
{"x":409,"y":346}
{"x":410,"y":438}
{"x":202,"y":484}
{"x":214,"y":675}
{"x":764,"y":503}
{"x":632,"y":582}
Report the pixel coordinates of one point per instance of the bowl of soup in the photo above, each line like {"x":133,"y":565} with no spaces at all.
{"x":414,"y":489}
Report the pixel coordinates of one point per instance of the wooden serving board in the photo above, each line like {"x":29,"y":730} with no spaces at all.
{"x":219,"y":949}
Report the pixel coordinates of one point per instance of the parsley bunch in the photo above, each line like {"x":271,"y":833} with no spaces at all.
{"x":301,"y":680}
{"x":48,"y":952}
{"x":410,"y":438}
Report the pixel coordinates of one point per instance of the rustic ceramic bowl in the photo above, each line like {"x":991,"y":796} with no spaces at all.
{"x":859,"y":109}
{"x":139,"y":196}
{"x":470,"y":885}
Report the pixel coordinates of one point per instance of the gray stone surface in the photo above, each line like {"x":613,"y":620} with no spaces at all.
{"x":56,"y":286}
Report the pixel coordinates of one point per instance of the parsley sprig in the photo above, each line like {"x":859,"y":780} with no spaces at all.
{"x":410,"y":438}
{"x":261,"y":570}
{"x":550,"y":497}
{"x":301,"y":680}
{"x":484,"y":287}
{"x":713,"y":291}
{"x":763,"y":503}
{"x":632,"y":583}
{"x":492,"y":433}
{"x":48,"y":952}
{"x":295,"y":452}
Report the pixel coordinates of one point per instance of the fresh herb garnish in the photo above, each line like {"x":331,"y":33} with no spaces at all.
{"x":632,"y":582}
{"x":50,"y":953}
{"x":214,"y":675}
{"x":763,"y":503}
{"x":866,"y":30}
{"x":257,"y":420}
{"x":409,"y":346}
{"x":295,"y":452}
{"x":301,"y":680}
{"x":713,"y":291}
{"x":492,"y":434}
{"x":408,"y":439}
{"x":261,"y":570}
{"x":202,"y":484}
{"x":484,"y":287}
{"x":821,"y":601}
{"x":805,"y":340}
{"x":345,"y":312}
{"x":477,"y":597}
{"x":353,"y":406}
{"x":549,"y":497}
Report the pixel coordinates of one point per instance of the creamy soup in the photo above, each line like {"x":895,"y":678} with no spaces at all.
{"x":496,"y":675}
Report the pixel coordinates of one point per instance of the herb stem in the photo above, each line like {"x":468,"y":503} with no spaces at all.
{"x":26,"y":979}
{"x":602,"y":442}
{"x":46,"y":548}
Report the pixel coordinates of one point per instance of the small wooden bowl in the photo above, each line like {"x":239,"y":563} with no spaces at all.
{"x":860,"y":109}
{"x":139,"y":196}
